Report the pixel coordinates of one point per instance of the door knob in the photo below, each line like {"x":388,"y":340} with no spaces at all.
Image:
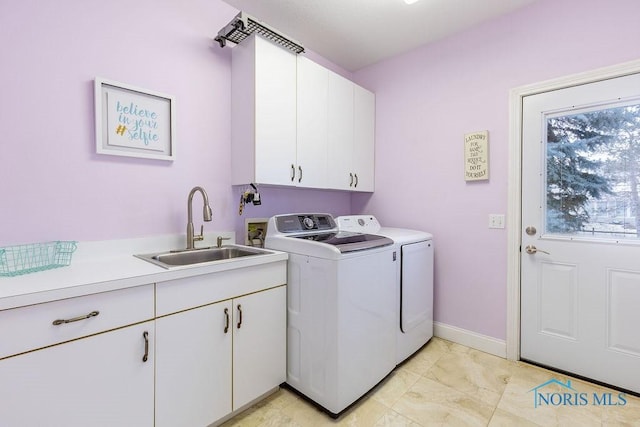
{"x":532,"y":250}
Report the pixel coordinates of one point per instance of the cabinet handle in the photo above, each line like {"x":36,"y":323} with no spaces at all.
{"x":239,"y":316}
{"x":356,"y":175}
{"x":145,"y":335}
{"x":226,"y":320}
{"x":300,"y":169}
{"x":293,"y":172}
{"x":351,"y":177}
{"x":75,"y":319}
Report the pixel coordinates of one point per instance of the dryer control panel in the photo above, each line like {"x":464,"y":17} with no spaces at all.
{"x":358,"y":223}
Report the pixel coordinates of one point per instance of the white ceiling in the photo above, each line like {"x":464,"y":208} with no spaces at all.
{"x":356,"y":33}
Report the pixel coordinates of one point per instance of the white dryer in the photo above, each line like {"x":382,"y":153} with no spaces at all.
{"x":414,"y":278}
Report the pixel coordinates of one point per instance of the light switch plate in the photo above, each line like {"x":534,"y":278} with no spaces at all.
{"x":496,"y":220}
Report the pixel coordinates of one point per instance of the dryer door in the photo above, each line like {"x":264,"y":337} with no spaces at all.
{"x":416,"y":285}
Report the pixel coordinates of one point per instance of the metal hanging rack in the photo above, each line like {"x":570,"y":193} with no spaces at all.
{"x":243,"y":25}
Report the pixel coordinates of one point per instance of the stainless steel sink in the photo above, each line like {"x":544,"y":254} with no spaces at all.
{"x":200,"y":256}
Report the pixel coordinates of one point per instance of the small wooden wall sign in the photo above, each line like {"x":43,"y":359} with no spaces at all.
{"x":476,"y":156}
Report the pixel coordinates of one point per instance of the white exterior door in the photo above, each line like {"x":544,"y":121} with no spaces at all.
{"x":580,"y":261}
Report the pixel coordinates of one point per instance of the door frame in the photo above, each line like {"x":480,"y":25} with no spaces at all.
{"x":514,"y":185}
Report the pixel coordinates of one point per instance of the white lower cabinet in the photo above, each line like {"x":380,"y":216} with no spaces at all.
{"x":101,"y":380}
{"x":215,"y":359}
{"x":193,"y":370}
{"x":186,"y":352}
{"x":259,"y":344}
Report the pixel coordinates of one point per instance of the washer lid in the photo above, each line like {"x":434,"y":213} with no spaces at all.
{"x":347,"y":241}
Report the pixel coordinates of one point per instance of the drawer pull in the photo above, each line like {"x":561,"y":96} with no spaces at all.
{"x":239,"y":316}
{"x":145,"y":335}
{"x":75,"y":319}
{"x":226,"y":320}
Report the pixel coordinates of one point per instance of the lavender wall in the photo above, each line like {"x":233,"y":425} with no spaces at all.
{"x":52,"y":184}
{"x":428,"y":99}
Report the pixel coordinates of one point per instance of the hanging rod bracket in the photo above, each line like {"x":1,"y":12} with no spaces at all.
{"x":243,"y":25}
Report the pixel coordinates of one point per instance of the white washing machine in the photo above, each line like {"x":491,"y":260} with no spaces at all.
{"x":414,"y":279}
{"x":341,"y":329}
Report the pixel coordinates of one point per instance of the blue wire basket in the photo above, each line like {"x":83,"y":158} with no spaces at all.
{"x":33,"y":257}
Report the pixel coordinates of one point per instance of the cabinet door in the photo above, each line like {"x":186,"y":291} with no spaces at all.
{"x":275,"y":113}
{"x":193,"y":366}
{"x":340,"y":132}
{"x":311,"y":155}
{"x":363,"y":139}
{"x":259,"y":344}
{"x":101,"y":380}
{"x":263,"y":113}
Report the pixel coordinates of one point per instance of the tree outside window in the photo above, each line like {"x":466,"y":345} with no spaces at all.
{"x":592,"y":171}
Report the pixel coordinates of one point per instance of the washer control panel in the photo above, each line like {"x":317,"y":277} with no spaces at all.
{"x":300,"y":223}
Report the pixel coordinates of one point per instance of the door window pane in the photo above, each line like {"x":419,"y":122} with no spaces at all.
{"x":592,"y":170}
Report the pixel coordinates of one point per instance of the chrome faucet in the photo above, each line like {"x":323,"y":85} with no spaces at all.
{"x":220,"y":239}
{"x":206,"y":216}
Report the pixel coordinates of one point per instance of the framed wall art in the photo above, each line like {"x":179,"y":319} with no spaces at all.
{"x":476,"y":156}
{"x":133,"y":122}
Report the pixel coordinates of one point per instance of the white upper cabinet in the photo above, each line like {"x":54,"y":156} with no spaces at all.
{"x":296,"y":123}
{"x":363,"y":149}
{"x":312,"y":88}
{"x":336,"y":120}
{"x":263,"y":113}
{"x":340,"y":126}
{"x":351,"y":133}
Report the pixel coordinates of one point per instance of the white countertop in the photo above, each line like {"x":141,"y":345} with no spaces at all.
{"x":110,"y":265}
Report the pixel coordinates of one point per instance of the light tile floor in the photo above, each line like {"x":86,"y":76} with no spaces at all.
{"x":446,"y":384}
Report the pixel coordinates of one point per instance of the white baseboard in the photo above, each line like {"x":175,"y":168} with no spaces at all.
{"x":470,"y":339}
